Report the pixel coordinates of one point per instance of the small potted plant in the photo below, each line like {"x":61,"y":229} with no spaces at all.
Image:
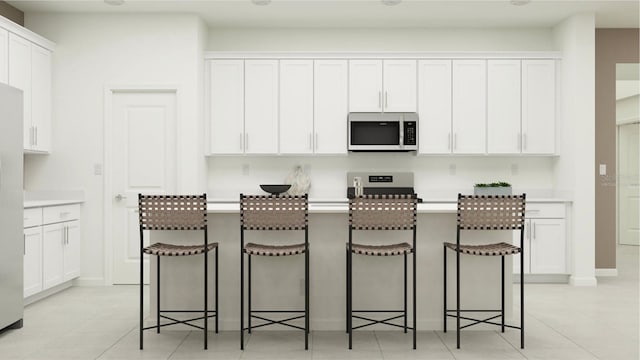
{"x":494,"y":188}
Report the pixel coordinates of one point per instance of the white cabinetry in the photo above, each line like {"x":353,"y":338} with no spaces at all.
{"x":4,"y":56}
{"x":52,"y":247}
{"x":296,"y":106}
{"x":30,"y":71}
{"x":330,"y":106}
{"x":469,"y":106}
{"x":538,"y":106}
{"x":377,"y":85}
{"x":32,"y":260}
{"x":261,"y":107}
{"x":503,"y":106}
{"x":434,"y":106}
{"x":226,"y":106}
{"x":544,"y":240}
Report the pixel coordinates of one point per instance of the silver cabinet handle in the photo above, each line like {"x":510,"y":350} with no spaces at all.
{"x":31,"y":135}
{"x":241,"y":142}
{"x":316,"y":142}
{"x":524,"y":141}
{"x":529,"y":232}
{"x":448,"y":141}
{"x":36,"y":131}
{"x":120,"y":197}
{"x":310,"y":141}
{"x":534,"y":230}
{"x":520,"y":141}
{"x":24,"y":244}
{"x":386,"y":99}
{"x":380,"y":99}
{"x":246,"y":141}
{"x":455,"y":141}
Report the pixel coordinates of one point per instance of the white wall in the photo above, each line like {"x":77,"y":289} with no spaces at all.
{"x":434,"y":176}
{"x":575,"y":167}
{"x":94,"y":51}
{"x":380,"y":39}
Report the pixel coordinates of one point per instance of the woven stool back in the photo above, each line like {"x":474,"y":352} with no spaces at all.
{"x":173,"y":212}
{"x":383,"y":212}
{"x":491,"y":212}
{"x":270,"y":212}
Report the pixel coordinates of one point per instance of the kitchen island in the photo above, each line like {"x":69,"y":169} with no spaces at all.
{"x":278,"y":283}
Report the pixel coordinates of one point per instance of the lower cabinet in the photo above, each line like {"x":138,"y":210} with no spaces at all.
{"x":32,"y":260}
{"x":52,"y":250}
{"x":544,"y":240}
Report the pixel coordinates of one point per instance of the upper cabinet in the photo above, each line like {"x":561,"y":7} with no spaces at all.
{"x":25,"y":63}
{"x":226,"y":106}
{"x":261,"y":106}
{"x":469,"y":106}
{"x":503,"y":107}
{"x":538,"y":106}
{"x":4,"y":56}
{"x":330,"y":106}
{"x":296,"y":106}
{"x":382,"y":85}
{"x":434,"y":106}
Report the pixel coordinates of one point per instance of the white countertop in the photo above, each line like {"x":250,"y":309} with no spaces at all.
{"x":341,"y":205}
{"x":43,"y":203}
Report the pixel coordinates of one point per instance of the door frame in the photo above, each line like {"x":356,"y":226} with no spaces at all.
{"x":109,"y":92}
{"x":629,"y":121}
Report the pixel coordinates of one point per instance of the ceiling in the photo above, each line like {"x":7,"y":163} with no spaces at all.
{"x":363,"y":13}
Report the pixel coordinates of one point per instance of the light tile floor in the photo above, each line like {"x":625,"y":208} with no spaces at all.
{"x":563,"y":323}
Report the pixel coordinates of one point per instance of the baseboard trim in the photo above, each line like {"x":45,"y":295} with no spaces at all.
{"x":583,"y":281}
{"x":607,"y":272}
{"x":90,"y":281}
{"x":46,"y":293}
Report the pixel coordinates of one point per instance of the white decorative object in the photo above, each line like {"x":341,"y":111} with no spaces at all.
{"x":299,"y":180}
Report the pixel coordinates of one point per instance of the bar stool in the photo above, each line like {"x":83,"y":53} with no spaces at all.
{"x":270,"y":212}
{"x":176,"y":212}
{"x":481,"y":212}
{"x":381,"y":212}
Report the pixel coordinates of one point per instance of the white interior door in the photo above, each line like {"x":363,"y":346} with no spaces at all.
{"x":143,"y":158}
{"x":629,"y":183}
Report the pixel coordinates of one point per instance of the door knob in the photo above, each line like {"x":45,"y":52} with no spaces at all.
{"x":120,"y":197}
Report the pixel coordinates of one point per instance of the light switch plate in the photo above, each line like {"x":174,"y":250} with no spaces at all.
{"x":603,"y":169}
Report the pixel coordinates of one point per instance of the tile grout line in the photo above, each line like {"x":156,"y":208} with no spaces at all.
{"x":117,"y":341}
{"x":181,"y":342}
{"x":375,"y":335}
{"x":445,"y":344}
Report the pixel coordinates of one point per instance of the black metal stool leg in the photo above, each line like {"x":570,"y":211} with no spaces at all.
{"x":522,"y":299}
{"x":206,"y":295}
{"x":405,"y":293}
{"x":502,"y":294}
{"x":457,"y":298}
{"x":350,"y":299}
{"x":158,"y":294}
{"x":415,"y":316}
{"x":141,"y":290}
{"x":216,"y":290}
{"x":241,"y":298}
{"x":346,"y":290}
{"x":306,"y":299}
{"x":444,"y":302}
{"x":249,"y":292}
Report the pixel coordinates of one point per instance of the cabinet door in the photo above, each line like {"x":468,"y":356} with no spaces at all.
{"x":261,"y":107}
{"x":4,"y":56}
{"x":226,"y":106}
{"x":330,"y":106}
{"x":503,"y":106}
{"x":434,"y":106}
{"x":32,"y":260}
{"x":41,"y":98}
{"x":469,"y":106}
{"x":71,"y":250}
{"x":20,"y":77}
{"x":365,"y":85}
{"x":296,"y":106}
{"x":527,"y":249}
{"x":52,"y":255}
{"x":548,"y":246}
{"x":399,"y":83}
{"x":538,"y":106}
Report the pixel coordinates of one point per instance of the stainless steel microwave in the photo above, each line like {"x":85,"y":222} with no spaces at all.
{"x":383,"y":131}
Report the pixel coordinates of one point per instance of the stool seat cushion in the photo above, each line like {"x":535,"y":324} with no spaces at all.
{"x":274,"y":250}
{"x":381,"y":250}
{"x":161,"y":249}
{"x":497,"y":249}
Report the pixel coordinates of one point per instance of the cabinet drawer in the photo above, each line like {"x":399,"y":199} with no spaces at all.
{"x":32,"y":217}
{"x":539,"y":210}
{"x":54,"y":214}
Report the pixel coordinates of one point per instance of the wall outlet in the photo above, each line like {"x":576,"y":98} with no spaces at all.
{"x":245,"y":169}
{"x":603,"y":169}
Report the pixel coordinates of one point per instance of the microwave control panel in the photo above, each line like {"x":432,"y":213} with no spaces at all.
{"x":410,"y":133}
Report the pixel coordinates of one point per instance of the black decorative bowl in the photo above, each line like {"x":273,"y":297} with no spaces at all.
{"x":275,"y":189}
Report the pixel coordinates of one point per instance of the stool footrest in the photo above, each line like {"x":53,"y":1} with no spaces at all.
{"x":276,"y":322}
{"x":176,"y":321}
{"x":482,"y":321}
{"x":383,"y":321}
